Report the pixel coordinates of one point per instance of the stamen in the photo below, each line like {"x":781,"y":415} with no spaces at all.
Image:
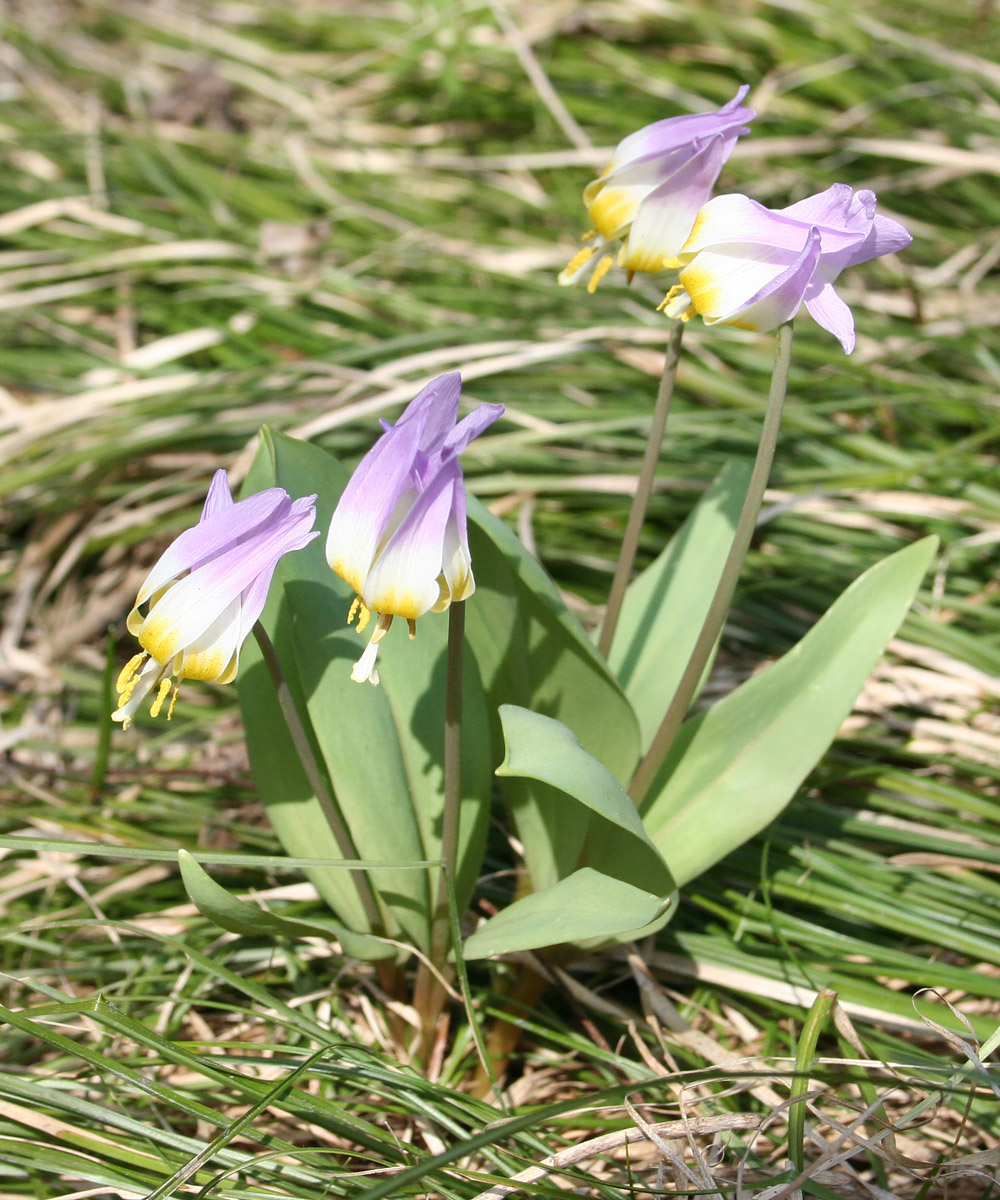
{"x":360,"y":610}
{"x":677,"y":304}
{"x":364,"y":669}
{"x":129,"y":673}
{"x":173,"y":701}
{"x":602,"y":268}
{"x":576,"y":264}
{"x":413,"y":627}
{"x":591,"y":233}
{"x":161,"y":695}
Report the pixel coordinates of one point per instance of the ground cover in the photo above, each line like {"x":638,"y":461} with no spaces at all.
{"x":220,"y":214}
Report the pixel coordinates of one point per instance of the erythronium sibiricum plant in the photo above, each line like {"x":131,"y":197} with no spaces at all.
{"x":398,"y":535}
{"x":649,"y":194}
{"x":752,"y":267}
{"x":201,"y":599}
{"x":617,"y":792}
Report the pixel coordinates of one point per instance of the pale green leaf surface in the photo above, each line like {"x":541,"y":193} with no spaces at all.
{"x":665,"y":606}
{"x":540,"y":748}
{"x":732,"y":769}
{"x":586,"y":904}
{"x":533,"y":652}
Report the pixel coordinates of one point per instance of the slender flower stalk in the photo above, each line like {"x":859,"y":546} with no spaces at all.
{"x":429,"y":995}
{"x":643,"y":490}
{"x":719,"y":608}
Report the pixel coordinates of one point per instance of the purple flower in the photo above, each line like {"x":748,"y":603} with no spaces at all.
{"x":201,"y":599}
{"x":398,"y":535}
{"x":749,"y":266}
{"x":651,"y":191}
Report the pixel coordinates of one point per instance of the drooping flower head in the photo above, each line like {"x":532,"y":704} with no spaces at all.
{"x":650,"y":192}
{"x":752,"y":267}
{"x":398,"y":535}
{"x":201,"y":599}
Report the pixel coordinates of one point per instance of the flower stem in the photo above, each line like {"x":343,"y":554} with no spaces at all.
{"x":428,"y":994}
{"x":304,"y":750}
{"x":643,"y":490}
{"x":719,"y":608}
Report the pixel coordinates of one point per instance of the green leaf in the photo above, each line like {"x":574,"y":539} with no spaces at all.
{"x":665,"y":606}
{"x":382,"y":746}
{"x":533,"y":652}
{"x":543,"y":749}
{"x":586,"y":904}
{"x":733,"y":768}
{"x":237,"y":916}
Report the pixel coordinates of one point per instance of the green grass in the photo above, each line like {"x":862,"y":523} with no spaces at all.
{"x":427,"y":197}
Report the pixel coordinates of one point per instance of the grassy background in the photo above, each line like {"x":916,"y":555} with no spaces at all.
{"x":216,"y":214}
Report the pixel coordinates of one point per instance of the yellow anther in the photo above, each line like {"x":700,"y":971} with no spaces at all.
{"x":360,"y":610}
{"x":127,"y":675}
{"x":412,"y":627}
{"x":161,"y":695}
{"x":577,"y":261}
{"x":173,"y":701}
{"x":591,"y":233}
{"x":670,"y":303}
{"x":602,"y":268}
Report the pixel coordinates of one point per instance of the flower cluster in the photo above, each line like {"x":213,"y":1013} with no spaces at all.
{"x":398,"y":536}
{"x":739,"y":262}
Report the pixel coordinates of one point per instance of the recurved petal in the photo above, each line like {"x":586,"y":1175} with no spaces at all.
{"x":830,"y":207}
{"x":436,"y":408}
{"x":456,"y":561}
{"x":736,"y":223}
{"x":403,"y":580}
{"x":366,"y":507}
{"x":759,"y":294}
{"x":219,"y":498}
{"x":665,"y":217}
{"x":213,"y":535}
{"x":469,"y":428}
{"x":886,"y":236}
{"x":673,"y":133}
{"x":827,"y":309}
{"x":184,"y":611}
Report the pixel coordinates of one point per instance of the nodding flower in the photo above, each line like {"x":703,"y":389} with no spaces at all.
{"x":651,"y":191}
{"x":752,"y":267}
{"x":201,"y":599}
{"x":399,"y":533}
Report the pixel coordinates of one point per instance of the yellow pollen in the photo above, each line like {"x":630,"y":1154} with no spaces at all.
{"x":578,"y":260}
{"x":360,"y":610}
{"x":591,"y":233}
{"x":129,"y":673}
{"x":161,"y":695}
{"x":173,"y":701}
{"x":602,"y":268}
{"x":412,"y":627}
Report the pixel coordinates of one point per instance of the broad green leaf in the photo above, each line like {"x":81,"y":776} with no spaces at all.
{"x":382,"y":746}
{"x":237,"y":916}
{"x":665,"y":606}
{"x":733,"y":768}
{"x":533,"y":652}
{"x":586,"y":904}
{"x":543,"y":749}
